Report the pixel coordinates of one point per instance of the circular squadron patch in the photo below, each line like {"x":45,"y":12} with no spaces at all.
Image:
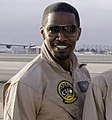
{"x":66,"y":91}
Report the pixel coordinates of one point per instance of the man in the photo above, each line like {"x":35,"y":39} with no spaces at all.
{"x":52,"y":86}
{"x":98,"y":102}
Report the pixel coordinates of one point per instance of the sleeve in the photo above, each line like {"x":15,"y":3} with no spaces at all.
{"x":94,"y":106}
{"x":21,"y":103}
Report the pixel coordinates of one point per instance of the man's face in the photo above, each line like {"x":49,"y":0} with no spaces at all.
{"x":60,"y":34}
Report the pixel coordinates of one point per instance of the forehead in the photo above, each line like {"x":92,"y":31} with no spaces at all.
{"x":60,"y":18}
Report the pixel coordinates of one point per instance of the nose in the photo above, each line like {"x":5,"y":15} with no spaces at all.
{"x":62,"y":36}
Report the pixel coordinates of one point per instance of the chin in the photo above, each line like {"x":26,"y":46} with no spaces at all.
{"x":62,"y":57}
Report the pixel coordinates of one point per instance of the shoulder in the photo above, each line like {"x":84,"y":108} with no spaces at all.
{"x":27,"y":71}
{"x":29,"y":76}
{"x":103,"y":79}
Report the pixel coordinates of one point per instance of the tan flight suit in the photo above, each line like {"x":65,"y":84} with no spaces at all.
{"x":98,"y":102}
{"x":43,"y":90}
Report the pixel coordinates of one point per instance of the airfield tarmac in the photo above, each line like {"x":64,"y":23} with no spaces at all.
{"x":9,"y":69}
{"x":11,"y":64}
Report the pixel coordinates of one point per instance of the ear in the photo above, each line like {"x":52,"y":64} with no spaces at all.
{"x":42,"y":33}
{"x":78,"y":33}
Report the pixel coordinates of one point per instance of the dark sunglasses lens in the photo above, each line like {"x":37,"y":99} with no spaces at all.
{"x":53,"y":29}
{"x":70,"y":29}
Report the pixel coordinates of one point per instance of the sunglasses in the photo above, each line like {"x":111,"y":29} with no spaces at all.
{"x":69,"y":30}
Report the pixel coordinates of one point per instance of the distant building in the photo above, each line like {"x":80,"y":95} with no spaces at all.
{"x":33,"y":49}
{"x":19,"y":49}
{"x":8,"y":48}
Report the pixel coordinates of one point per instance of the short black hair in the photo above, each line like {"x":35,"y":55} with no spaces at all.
{"x":61,"y":7}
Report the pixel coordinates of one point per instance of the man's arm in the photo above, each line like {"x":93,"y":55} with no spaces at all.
{"x":21,"y":103}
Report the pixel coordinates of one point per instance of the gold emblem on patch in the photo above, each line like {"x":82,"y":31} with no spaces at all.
{"x":66,"y":91}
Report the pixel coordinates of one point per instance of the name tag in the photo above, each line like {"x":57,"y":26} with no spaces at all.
{"x":83,"y":85}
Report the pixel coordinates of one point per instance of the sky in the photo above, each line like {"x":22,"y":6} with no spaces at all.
{"x":20,"y":21}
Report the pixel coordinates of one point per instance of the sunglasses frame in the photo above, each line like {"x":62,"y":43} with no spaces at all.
{"x":53,"y":32}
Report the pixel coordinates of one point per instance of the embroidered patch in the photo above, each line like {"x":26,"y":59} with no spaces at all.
{"x":66,"y":91}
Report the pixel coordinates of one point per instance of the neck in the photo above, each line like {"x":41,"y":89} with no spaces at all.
{"x":65,"y":64}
